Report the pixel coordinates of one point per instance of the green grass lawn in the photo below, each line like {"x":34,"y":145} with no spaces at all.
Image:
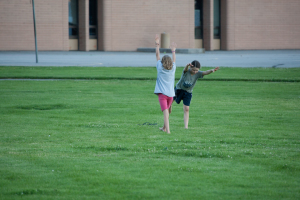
{"x":100,"y":139}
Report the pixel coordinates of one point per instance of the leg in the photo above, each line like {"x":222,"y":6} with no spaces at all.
{"x":169,"y":103}
{"x":170,"y":109}
{"x":186,"y":116}
{"x":165,"y":103}
{"x":166,"y":120}
{"x":164,"y":127}
{"x":187,"y":97}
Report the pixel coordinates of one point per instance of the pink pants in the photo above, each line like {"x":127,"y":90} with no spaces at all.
{"x":164,"y":101}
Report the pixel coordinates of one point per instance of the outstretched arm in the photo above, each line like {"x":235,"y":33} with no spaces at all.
{"x":210,"y":71}
{"x":173,"y":49}
{"x":157,"y":47}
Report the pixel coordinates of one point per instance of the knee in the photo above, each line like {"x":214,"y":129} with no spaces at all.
{"x":186,"y":108}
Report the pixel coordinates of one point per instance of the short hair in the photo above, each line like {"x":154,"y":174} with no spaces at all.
{"x":196,"y":64}
{"x":167,"y":62}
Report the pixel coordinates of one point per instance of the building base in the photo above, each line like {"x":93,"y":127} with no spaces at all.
{"x":166,"y":50}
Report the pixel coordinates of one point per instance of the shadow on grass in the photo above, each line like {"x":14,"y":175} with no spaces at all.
{"x":34,"y":192}
{"x":103,"y":149}
{"x":42,"y":107}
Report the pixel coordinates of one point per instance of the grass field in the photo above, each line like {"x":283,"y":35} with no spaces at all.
{"x":148,"y":73}
{"x":99,"y":139}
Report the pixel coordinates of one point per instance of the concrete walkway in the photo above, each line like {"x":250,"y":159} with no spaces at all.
{"x":254,"y":58}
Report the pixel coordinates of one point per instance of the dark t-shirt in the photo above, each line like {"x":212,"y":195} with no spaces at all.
{"x":188,"y":81}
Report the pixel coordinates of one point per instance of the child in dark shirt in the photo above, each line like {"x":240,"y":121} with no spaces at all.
{"x":184,"y":87}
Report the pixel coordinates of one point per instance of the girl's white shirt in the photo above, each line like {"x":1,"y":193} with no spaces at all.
{"x":165,"y":80}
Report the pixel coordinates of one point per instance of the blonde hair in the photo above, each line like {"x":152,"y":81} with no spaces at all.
{"x":167,"y":62}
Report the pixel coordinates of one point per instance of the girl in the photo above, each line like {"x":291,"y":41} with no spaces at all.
{"x":184,"y":87}
{"x":164,"y":87}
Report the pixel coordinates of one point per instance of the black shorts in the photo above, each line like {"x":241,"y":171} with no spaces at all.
{"x":183,"y":95}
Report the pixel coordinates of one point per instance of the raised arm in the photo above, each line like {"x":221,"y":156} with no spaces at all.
{"x":210,"y":71}
{"x":173,"y":49}
{"x":187,"y":67}
{"x":157,"y":47}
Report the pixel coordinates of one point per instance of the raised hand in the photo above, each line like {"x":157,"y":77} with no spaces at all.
{"x":187,"y":67}
{"x":173,"y":46}
{"x":156,"y":39}
{"x":157,"y":53}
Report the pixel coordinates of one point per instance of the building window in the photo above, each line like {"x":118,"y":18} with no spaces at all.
{"x":73,"y":19}
{"x":198,"y":19}
{"x":216,"y":19}
{"x":93,"y":19}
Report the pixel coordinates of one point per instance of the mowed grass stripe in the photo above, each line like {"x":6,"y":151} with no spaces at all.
{"x":148,"y":73}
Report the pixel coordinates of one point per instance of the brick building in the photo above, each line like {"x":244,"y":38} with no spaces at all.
{"x":125,"y":25}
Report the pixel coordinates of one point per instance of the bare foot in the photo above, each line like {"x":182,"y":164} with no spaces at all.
{"x":162,"y":129}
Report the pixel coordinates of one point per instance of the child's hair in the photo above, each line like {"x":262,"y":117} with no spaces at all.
{"x":167,"y":62}
{"x":196,"y":64}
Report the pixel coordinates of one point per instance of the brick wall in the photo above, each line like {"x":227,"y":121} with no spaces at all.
{"x":125,"y":25}
{"x":133,"y":23}
{"x":16,"y":25}
{"x":262,"y":24}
